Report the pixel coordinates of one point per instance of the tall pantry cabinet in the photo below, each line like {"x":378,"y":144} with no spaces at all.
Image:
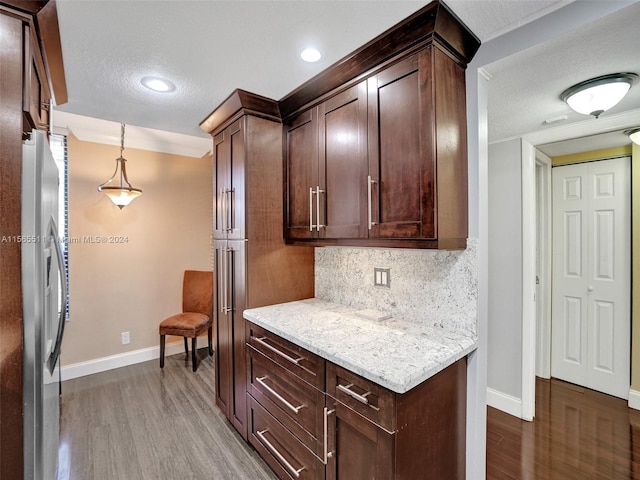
{"x":253,"y":266}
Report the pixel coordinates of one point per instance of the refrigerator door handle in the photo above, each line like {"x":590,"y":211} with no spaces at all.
{"x":62,"y":271}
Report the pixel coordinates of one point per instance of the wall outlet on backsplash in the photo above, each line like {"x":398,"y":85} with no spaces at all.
{"x":382,"y":277}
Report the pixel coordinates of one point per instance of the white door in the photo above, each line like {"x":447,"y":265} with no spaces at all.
{"x":591,"y":326}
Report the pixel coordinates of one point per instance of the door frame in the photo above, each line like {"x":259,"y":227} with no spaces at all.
{"x":567,"y":132}
{"x":543,"y":264}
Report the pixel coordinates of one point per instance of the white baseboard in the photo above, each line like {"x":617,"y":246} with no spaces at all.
{"x":504,"y":402}
{"x":634,"y":399}
{"x":103,"y":364}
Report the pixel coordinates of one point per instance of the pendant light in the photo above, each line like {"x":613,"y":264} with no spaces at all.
{"x":597,"y":95}
{"x":119,"y":193}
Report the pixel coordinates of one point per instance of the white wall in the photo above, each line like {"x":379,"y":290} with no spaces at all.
{"x":504,"y":349}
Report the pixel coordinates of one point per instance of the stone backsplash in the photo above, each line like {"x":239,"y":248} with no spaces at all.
{"x":436,"y":287}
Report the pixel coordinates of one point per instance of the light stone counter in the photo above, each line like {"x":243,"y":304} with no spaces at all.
{"x":393,"y":353}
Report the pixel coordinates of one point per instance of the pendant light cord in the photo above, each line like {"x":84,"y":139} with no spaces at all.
{"x":121,"y":138}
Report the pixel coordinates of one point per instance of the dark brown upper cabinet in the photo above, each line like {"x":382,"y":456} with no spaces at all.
{"x":376,"y":145}
{"x":326,"y":167}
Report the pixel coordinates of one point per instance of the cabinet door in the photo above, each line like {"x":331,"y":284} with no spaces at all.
{"x":35,"y":94}
{"x":236,"y":251}
{"x":400,"y":164}
{"x":343,"y":164}
{"x":358,"y":449}
{"x":229,"y":181}
{"x":301,"y":176}
{"x":222,"y":325}
{"x":230,"y":359}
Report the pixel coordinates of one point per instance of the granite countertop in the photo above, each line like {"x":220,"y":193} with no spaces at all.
{"x":393,"y":353}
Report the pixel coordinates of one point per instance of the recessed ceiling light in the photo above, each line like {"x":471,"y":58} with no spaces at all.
{"x":310,"y":55}
{"x":158,"y":84}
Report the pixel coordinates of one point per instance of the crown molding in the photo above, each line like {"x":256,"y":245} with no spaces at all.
{"x":89,"y":129}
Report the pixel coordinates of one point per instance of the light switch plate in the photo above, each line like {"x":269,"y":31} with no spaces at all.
{"x":382,"y":277}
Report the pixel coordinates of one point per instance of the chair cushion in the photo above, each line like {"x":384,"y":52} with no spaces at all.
{"x":187,"y":324}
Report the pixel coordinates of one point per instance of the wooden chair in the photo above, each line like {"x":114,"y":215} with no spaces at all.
{"x":196,"y":316}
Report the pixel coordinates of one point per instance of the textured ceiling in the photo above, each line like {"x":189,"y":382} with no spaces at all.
{"x":525,"y":88}
{"x":210,"y":47}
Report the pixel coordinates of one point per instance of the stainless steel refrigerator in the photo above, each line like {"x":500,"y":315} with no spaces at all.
{"x":44,"y":308}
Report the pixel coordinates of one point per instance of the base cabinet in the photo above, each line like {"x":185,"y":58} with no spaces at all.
{"x":309,"y":418}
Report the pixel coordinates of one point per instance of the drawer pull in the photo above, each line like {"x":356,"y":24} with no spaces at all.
{"x":278,"y":455}
{"x":261,"y":341}
{"x":361,"y":398}
{"x":295,"y":410}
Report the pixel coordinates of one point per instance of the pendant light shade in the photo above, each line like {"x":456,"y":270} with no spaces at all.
{"x":118,"y":188}
{"x":634,"y":135}
{"x":597,"y":95}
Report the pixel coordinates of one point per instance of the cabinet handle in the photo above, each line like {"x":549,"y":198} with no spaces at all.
{"x":223,"y":276}
{"x":318,"y":192}
{"x":311,"y":193}
{"x":292,"y":470}
{"x":290,"y":406}
{"x":229,"y":262}
{"x":361,"y":398}
{"x":261,"y":341}
{"x":370,"y":182}
{"x":223,"y":210}
{"x":327,"y":454}
{"x":230,"y":192}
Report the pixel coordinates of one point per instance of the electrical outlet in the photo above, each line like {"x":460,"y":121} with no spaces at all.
{"x":382,"y":277}
{"x":126,"y":339}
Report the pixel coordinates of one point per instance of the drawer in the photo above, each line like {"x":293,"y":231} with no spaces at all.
{"x":282,"y":451}
{"x":364,"y":396}
{"x":306,"y":365}
{"x":293,"y":402}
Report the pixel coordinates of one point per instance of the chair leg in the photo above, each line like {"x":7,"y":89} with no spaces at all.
{"x":162,"y":351}
{"x":210,"y":336}
{"x":194,"y":355}
{"x":186,"y":349}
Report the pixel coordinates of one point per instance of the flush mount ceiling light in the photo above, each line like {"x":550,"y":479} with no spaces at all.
{"x":310,"y":55}
{"x":119,"y":193}
{"x":634,"y":135}
{"x":158,"y":84}
{"x":597,"y":95}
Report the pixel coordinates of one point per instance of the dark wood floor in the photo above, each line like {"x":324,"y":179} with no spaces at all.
{"x":140,"y":422}
{"x":577,"y":434}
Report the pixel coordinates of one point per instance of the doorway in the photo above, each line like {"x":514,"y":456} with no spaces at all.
{"x":590,"y":328}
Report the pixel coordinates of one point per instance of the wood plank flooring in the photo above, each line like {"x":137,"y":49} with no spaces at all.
{"x":141,"y":422}
{"x":577,"y":434}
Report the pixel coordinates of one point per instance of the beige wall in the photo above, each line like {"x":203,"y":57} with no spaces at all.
{"x":131,"y":286}
{"x":635,"y":268}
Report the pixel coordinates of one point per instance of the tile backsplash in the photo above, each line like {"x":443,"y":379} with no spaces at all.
{"x":426,"y":286}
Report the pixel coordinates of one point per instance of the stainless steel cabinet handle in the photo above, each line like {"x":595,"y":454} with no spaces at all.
{"x":292,"y":470}
{"x":370,"y":182}
{"x":318,"y":192}
{"x":223,"y":210}
{"x":261,"y":341}
{"x":230,"y":222}
{"x":361,"y":398}
{"x":229,"y":264}
{"x":223,"y":277}
{"x":327,"y":454}
{"x":290,"y":406}
{"x":311,"y":225}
